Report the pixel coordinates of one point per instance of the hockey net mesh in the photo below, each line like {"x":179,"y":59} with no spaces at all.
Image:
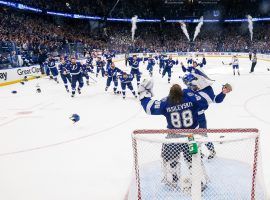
{"x":227,"y":165}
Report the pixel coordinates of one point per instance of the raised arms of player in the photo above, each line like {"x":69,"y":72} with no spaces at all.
{"x":209,"y":95}
{"x":152,"y":107}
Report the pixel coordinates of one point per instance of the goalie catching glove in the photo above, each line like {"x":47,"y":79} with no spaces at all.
{"x":146,"y":89}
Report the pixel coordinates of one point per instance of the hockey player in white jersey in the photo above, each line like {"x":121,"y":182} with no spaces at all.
{"x":235,"y":64}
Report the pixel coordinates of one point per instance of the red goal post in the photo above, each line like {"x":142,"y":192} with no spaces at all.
{"x":237,"y":156}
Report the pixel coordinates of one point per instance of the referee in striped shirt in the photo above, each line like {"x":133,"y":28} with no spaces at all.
{"x":254,"y":62}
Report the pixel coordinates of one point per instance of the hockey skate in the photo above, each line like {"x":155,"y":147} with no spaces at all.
{"x":212,"y":154}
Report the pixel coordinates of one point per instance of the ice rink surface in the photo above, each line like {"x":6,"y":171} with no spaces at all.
{"x":44,"y":156}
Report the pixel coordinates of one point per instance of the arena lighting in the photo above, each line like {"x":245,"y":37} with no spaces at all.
{"x":78,"y":16}
{"x":24,"y":7}
{"x":118,"y":19}
{"x":85,"y":17}
{"x":192,"y":20}
{"x":60,"y":14}
{"x":129,"y":20}
{"x":179,"y":20}
{"x":245,"y":20}
{"x":20,"y":6}
{"x":10,"y":4}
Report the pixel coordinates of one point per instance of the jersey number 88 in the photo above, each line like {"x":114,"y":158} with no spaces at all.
{"x":183,"y":119}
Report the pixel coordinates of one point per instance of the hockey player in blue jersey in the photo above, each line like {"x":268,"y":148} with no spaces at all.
{"x":89,"y":63}
{"x":52,"y":67}
{"x":64,"y":72}
{"x":126,"y":82}
{"x":67,"y":59}
{"x":200,"y":85}
{"x":162,"y":59}
{"x":134,"y":62}
{"x":112,"y":74}
{"x":169,"y":63}
{"x":180,"y":108}
{"x":108,"y":56}
{"x":85,"y":74}
{"x":151,"y":64}
{"x":100,"y":67}
{"x":76,"y":75}
{"x":201,"y":62}
{"x":46,"y":68}
{"x":189,"y":61}
{"x":193,"y":67}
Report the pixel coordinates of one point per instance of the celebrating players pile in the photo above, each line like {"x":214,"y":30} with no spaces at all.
{"x":184,"y":108}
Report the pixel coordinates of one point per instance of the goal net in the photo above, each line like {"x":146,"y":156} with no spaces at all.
{"x":197,"y":164}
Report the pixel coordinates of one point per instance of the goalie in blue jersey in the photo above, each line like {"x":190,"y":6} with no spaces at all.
{"x":180,"y":108}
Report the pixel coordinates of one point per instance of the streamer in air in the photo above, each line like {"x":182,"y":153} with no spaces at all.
{"x":184,"y":29}
{"x":134,"y":26}
{"x":198,"y":28}
{"x":250,"y":26}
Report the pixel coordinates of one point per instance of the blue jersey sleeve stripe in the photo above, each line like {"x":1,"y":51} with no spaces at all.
{"x":206,"y":97}
{"x":149,"y":106}
{"x":201,"y":112}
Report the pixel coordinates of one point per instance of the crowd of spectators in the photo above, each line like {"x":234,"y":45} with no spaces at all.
{"x":31,"y":35}
{"x":154,"y":8}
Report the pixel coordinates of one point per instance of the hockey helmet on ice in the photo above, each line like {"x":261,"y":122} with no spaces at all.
{"x":75,"y":118}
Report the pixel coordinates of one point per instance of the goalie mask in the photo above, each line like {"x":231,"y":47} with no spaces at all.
{"x":196,"y":82}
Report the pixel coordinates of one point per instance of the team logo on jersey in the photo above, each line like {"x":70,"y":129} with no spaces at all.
{"x":74,"y":66}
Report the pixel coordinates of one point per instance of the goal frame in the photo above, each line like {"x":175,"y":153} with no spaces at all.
{"x":136,"y":136}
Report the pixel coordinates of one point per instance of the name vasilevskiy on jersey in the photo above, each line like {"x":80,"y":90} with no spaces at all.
{"x":179,"y":107}
{"x":3,"y":76}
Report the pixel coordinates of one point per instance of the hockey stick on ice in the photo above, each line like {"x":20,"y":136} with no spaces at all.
{"x":225,"y":63}
{"x":93,"y":79}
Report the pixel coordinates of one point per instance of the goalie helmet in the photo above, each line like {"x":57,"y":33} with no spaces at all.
{"x":75,"y":118}
{"x":189,"y":81}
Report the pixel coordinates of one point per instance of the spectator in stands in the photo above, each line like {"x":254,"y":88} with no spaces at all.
{"x":26,"y":32}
